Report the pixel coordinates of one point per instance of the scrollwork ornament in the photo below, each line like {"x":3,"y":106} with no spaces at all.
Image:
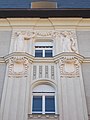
{"x":69,"y":67}
{"x":18,"y":67}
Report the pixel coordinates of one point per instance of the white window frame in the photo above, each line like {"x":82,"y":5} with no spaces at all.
{"x":43,"y":50}
{"x":44,"y":43}
{"x":43,"y":102}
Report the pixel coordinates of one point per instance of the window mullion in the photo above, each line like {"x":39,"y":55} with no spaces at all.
{"x":43,"y":52}
{"x":43,"y":104}
{"x":55,"y":104}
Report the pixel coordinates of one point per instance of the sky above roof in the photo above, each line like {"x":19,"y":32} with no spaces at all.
{"x":60,"y":3}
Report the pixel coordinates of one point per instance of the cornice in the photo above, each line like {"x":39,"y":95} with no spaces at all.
{"x":45,"y":22}
{"x":42,"y":60}
{"x":19,"y":54}
{"x":59,"y":12}
{"x":54,"y":59}
{"x":68,"y":55}
{"x":2,"y":60}
{"x":86,"y":60}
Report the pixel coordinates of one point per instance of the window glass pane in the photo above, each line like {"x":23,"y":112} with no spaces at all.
{"x":38,"y":53}
{"x":37,"y":104}
{"x":49,"y":104}
{"x":48,"y":53}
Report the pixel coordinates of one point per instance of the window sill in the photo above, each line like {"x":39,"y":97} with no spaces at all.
{"x":43,"y":116}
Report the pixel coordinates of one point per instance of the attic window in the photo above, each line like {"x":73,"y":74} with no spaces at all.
{"x":44,"y":4}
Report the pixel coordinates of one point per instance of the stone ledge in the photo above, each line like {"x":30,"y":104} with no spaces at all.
{"x":42,"y":116}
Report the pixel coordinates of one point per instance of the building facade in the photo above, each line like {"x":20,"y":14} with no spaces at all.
{"x":44,"y":68}
{"x":44,"y":63}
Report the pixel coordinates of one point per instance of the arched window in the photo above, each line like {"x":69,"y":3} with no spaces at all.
{"x":43,"y":100}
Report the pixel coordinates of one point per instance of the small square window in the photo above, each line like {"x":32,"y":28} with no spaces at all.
{"x":38,"y":53}
{"x":48,"y":53}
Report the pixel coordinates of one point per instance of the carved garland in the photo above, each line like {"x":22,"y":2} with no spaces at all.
{"x":18,"y":67}
{"x":46,"y":33}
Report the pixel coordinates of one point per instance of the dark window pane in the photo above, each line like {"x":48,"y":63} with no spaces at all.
{"x":48,"y":53}
{"x":49,"y":104}
{"x":38,"y":53}
{"x":37,"y":104}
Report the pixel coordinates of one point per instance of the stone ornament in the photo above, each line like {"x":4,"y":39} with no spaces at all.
{"x":18,"y":67}
{"x":69,"y":67}
{"x":67,"y":39}
{"x":43,"y":116}
{"x":20,"y":38}
{"x":68,"y":43}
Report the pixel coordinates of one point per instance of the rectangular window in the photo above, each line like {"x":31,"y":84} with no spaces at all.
{"x":48,"y":53}
{"x":49,"y":104}
{"x":43,"y":105}
{"x":37,"y":104}
{"x":38,"y":53}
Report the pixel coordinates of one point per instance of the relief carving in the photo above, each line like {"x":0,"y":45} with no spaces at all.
{"x":69,"y":67}
{"x":21,"y":39}
{"x":44,"y":33}
{"x":68,"y":43}
{"x":67,"y":39}
{"x":18,"y":67}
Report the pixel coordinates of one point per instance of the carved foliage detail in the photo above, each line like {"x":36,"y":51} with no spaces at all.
{"x":69,"y":67}
{"x":18,"y":67}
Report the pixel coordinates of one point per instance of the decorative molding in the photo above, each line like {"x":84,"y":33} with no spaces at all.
{"x":69,"y":67}
{"x":18,"y":67}
{"x":34,"y":71}
{"x":54,"y":59}
{"x":2,"y":60}
{"x":40,"y":71}
{"x":42,"y":116}
{"x":44,"y":33}
{"x":46,"y":71}
{"x":52,"y":72}
{"x":56,"y":22}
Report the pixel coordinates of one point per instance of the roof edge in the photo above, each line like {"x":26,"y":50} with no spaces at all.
{"x":45,"y":13}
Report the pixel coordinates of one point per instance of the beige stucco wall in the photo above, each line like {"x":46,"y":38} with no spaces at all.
{"x":70,"y":90}
{"x":5,"y":38}
{"x":83,"y":38}
{"x":2,"y":77}
{"x":86,"y":78}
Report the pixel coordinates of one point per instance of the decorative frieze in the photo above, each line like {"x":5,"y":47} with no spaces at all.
{"x":69,"y":67}
{"x":43,"y":71}
{"x":18,"y":67}
{"x":67,"y":39}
